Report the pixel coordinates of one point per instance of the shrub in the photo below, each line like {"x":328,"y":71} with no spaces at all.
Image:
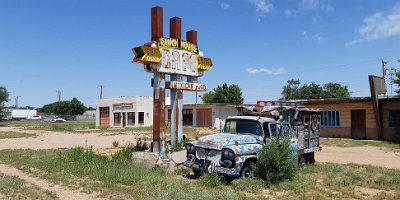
{"x":276,"y":161}
{"x":178,"y":146}
{"x":141,"y":145}
{"x":123,"y":154}
{"x":211,"y":181}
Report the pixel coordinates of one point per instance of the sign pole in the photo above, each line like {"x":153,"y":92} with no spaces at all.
{"x":175,"y":30}
{"x":158,"y":88}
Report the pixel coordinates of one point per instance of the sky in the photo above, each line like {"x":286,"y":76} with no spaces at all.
{"x":76,"y":45}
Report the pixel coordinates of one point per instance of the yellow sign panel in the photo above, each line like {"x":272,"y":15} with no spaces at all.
{"x":178,"y":44}
{"x":205,"y":64}
{"x":147,"y":54}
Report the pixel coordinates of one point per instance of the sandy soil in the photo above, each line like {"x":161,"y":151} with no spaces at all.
{"x":361,"y":155}
{"x":54,"y":140}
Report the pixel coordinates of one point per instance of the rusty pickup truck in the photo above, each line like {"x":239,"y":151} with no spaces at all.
{"x":231,"y":152}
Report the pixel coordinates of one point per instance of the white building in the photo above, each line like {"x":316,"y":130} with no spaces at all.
{"x":125,"y":111}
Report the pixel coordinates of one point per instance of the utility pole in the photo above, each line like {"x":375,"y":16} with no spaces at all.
{"x":383,"y":68}
{"x":59,"y":94}
{"x":392,"y":72}
{"x":16,"y":101}
{"x":101,"y":90}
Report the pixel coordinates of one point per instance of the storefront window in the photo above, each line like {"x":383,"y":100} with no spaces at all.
{"x":394,"y":118}
{"x":330,"y":118}
{"x":141,"y":117}
{"x":187,"y":117}
{"x":117,"y":119}
{"x":131,"y":118}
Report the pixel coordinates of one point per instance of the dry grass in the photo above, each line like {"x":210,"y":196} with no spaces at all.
{"x":124,"y":180}
{"x":11,"y":134}
{"x":13,"y":187}
{"x":341,"y":142}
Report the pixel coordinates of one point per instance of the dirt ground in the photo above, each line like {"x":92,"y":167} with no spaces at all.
{"x":361,"y":155}
{"x":50,"y":140}
{"x":375,"y":156}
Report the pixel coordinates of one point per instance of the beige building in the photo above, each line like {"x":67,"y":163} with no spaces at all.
{"x":125,"y":111}
{"x":356,"y":118}
{"x":206,"y":115}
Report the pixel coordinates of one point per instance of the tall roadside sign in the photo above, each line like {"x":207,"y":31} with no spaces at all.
{"x":180,"y":60}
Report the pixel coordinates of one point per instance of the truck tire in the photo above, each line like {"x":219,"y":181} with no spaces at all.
{"x":245,"y":172}
{"x":302,"y":161}
{"x":197,"y":173}
{"x":311,"y":158}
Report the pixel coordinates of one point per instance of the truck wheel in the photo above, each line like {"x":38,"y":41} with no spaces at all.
{"x":245,"y":172}
{"x":197,"y":173}
{"x":302,"y":161}
{"x":311,"y":158}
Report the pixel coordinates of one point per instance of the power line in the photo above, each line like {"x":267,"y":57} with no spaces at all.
{"x":16,"y":101}
{"x":59,"y":92}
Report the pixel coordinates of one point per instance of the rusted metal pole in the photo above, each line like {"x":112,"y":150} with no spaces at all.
{"x":158,"y":88}
{"x":175,"y":26}
{"x":191,"y":36}
{"x":156,"y":23}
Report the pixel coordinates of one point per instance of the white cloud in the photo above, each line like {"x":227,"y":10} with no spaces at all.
{"x":310,"y":5}
{"x":304,"y":33}
{"x":225,"y":6}
{"x":271,"y":71}
{"x":288,"y":13}
{"x":263,"y":7}
{"x":318,"y":38}
{"x":380,"y":25}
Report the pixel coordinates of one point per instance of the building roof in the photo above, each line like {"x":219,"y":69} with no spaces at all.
{"x":338,"y":100}
{"x":396,"y":98}
{"x":257,"y":118}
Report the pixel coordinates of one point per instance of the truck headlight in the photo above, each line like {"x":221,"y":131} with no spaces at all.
{"x":229,"y":154}
{"x":190,"y":148}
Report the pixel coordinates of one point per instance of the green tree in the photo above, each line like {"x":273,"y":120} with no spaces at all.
{"x":73,"y":107}
{"x":224,"y":94}
{"x":335,"y":90}
{"x":290,"y":91}
{"x":397,"y":81}
{"x":293,"y":90}
{"x":3,"y":99}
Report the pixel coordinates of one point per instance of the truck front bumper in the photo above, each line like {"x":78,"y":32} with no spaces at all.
{"x":228,"y":172}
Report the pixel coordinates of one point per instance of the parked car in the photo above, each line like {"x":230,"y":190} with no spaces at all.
{"x":58,"y":120}
{"x":35,"y":117}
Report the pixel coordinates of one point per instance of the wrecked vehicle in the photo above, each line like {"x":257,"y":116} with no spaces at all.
{"x":231,"y":152}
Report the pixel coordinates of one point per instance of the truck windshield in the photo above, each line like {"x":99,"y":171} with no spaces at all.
{"x":243,"y":127}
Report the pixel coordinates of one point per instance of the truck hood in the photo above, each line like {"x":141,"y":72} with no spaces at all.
{"x":219,"y":141}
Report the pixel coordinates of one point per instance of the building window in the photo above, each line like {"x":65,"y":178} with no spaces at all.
{"x":131,"y":118}
{"x":187,"y":117}
{"x":330,"y":118}
{"x":117,"y":119}
{"x":104,"y":110}
{"x":141,"y":117}
{"x":394,"y":118}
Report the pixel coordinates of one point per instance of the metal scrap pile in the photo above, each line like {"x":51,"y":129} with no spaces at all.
{"x":295,"y":115}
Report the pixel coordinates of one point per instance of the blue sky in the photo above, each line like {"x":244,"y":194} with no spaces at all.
{"x":76,"y":45}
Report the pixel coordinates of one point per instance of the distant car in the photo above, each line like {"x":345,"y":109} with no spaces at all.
{"x":58,"y":120}
{"x":35,"y":117}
